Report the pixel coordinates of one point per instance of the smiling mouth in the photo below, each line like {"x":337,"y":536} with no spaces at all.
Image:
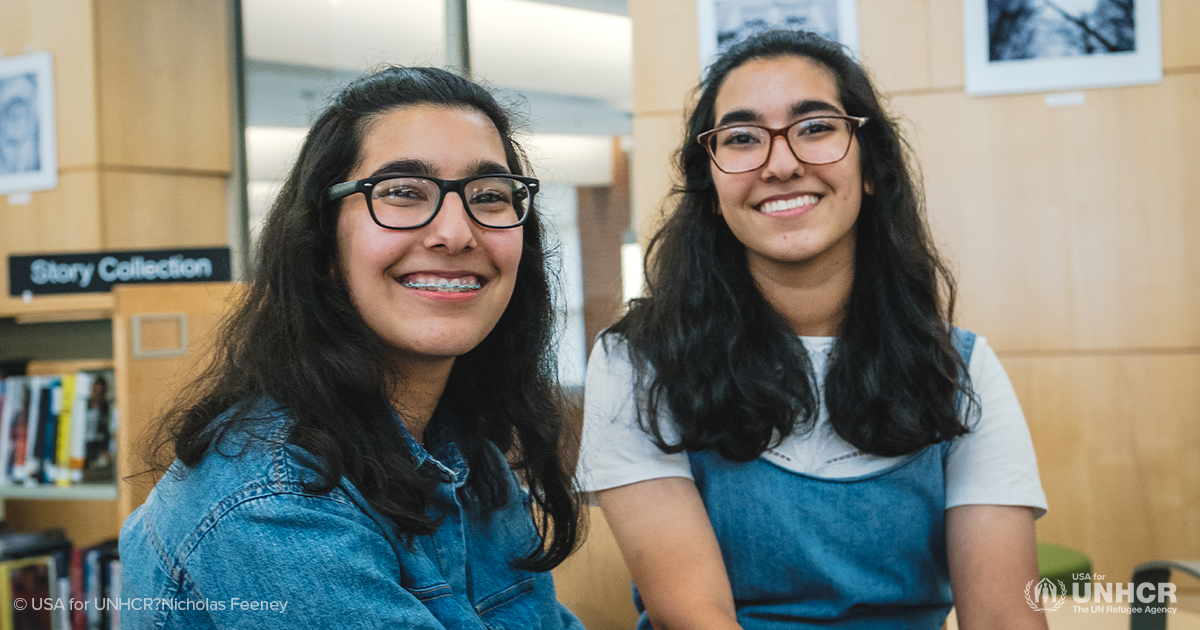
{"x":443,"y":285}
{"x":782,"y":205}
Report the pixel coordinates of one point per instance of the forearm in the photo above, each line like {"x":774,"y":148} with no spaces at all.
{"x":664,"y":534}
{"x":692,"y":616}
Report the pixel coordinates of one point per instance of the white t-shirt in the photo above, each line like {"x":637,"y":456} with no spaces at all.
{"x":993,"y":464}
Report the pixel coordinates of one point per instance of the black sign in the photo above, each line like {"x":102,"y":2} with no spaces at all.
{"x":97,"y":272}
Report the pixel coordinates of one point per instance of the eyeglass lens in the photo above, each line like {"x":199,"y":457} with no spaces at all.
{"x":406,"y":202}
{"x":813,"y":140}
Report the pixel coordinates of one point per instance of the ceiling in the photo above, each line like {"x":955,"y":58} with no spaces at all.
{"x":565,"y":64}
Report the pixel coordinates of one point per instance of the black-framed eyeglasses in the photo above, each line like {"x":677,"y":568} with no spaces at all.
{"x":741,"y":148}
{"x":407,"y":202}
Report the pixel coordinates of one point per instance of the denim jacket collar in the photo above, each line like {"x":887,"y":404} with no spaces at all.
{"x":442,"y":437}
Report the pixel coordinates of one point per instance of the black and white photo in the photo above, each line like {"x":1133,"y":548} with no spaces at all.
{"x":1013,"y":46}
{"x":1038,"y":29}
{"x":28,"y":159}
{"x":724,"y":23}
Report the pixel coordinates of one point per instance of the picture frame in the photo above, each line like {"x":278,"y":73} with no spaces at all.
{"x":724,"y":22}
{"x":28,"y":148}
{"x":1018,"y":46}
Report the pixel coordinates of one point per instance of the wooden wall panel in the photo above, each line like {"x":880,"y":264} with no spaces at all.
{"x":1118,"y":447}
{"x":666,"y":69}
{"x":147,"y":210}
{"x":65,"y":28}
{"x":86,"y":523}
{"x":946,"y":44}
{"x":164,"y":84}
{"x":594,"y":583}
{"x":61,"y":220}
{"x":1072,"y":227}
{"x":14,"y":29}
{"x":653,"y":169}
{"x":665,"y":54}
{"x":1180,"y":23}
{"x":894,"y":36}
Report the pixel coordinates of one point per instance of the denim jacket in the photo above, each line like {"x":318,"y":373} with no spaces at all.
{"x":237,"y":542}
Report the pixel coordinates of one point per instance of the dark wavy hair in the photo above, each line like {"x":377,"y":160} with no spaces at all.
{"x":708,"y":347}
{"x":298,"y":338}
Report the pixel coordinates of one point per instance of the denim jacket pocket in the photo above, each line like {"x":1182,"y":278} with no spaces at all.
{"x":511,"y":608}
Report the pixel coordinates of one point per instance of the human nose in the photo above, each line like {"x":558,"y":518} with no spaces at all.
{"x":782,"y":162}
{"x":452,"y":228}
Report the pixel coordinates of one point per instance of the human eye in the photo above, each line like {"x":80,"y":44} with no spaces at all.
{"x":739,"y":137}
{"x":818,"y":126}
{"x":491,"y":196}
{"x":401,"y":192}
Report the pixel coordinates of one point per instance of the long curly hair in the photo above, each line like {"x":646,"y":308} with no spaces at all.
{"x":298,"y":338}
{"x":710,"y":349}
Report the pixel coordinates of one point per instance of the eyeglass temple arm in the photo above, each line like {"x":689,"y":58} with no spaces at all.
{"x":344,"y":189}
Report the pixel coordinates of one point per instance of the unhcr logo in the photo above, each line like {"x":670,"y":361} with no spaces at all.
{"x":1045,"y":595}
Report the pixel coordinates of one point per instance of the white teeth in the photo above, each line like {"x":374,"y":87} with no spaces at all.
{"x":789,"y":204}
{"x":453,"y":285}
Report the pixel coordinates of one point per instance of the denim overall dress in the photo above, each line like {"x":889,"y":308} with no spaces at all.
{"x":809,"y":552}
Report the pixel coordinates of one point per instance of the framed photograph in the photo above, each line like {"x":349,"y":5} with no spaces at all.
{"x":724,"y":23}
{"x":1015,"y":46}
{"x":28,"y":154}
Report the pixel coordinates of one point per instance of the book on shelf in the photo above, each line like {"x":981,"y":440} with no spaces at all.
{"x":14,"y":423}
{"x":49,"y":576}
{"x":44,"y":392}
{"x":100,"y":580}
{"x":58,"y":429}
{"x":26,"y":586}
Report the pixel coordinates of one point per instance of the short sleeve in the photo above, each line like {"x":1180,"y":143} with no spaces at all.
{"x":994,"y":464}
{"x":354,"y":573}
{"x":615,"y":450}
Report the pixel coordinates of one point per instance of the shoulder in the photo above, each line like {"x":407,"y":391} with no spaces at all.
{"x":609,"y":348}
{"x":615,"y":449}
{"x":994,"y":463}
{"x":251,"y":474}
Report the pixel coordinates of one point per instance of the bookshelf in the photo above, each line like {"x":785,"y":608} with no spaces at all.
{"x":162,"y":336}
{"x":124,"y":71}
{"x":45,"y":491}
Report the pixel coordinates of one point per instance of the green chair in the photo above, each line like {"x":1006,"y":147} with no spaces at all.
{"x":1060,"y":563}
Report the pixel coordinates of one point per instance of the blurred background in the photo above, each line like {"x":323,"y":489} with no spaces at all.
{"x":1070,"y":219}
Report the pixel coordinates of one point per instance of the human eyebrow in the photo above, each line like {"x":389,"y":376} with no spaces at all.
{"x":406,"y":167}
{"x":810,"y":106}
{"x":488,"y":167}
{"x":738,"y":116}
{"x":425,"y":169}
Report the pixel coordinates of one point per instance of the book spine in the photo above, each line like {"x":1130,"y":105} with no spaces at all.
{"x":23,"y":439}
{"x":6,"y":604}
{"x":50,"y":437}
{"x":64,"y":431}
{"x":78,"y":438}
{"x":35,"y":453}
{"x":114,"y":591}
{"x":92,"y":586}
{"x":14,"y":398}
{"x":78,"y":615}
{"x":60,"y":590}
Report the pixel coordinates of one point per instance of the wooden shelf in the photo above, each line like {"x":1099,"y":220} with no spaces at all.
{"x":76,"y":492}
{"x":58,"y":308}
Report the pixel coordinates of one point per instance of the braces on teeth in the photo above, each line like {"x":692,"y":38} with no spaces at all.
{"x":453,"y":286}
